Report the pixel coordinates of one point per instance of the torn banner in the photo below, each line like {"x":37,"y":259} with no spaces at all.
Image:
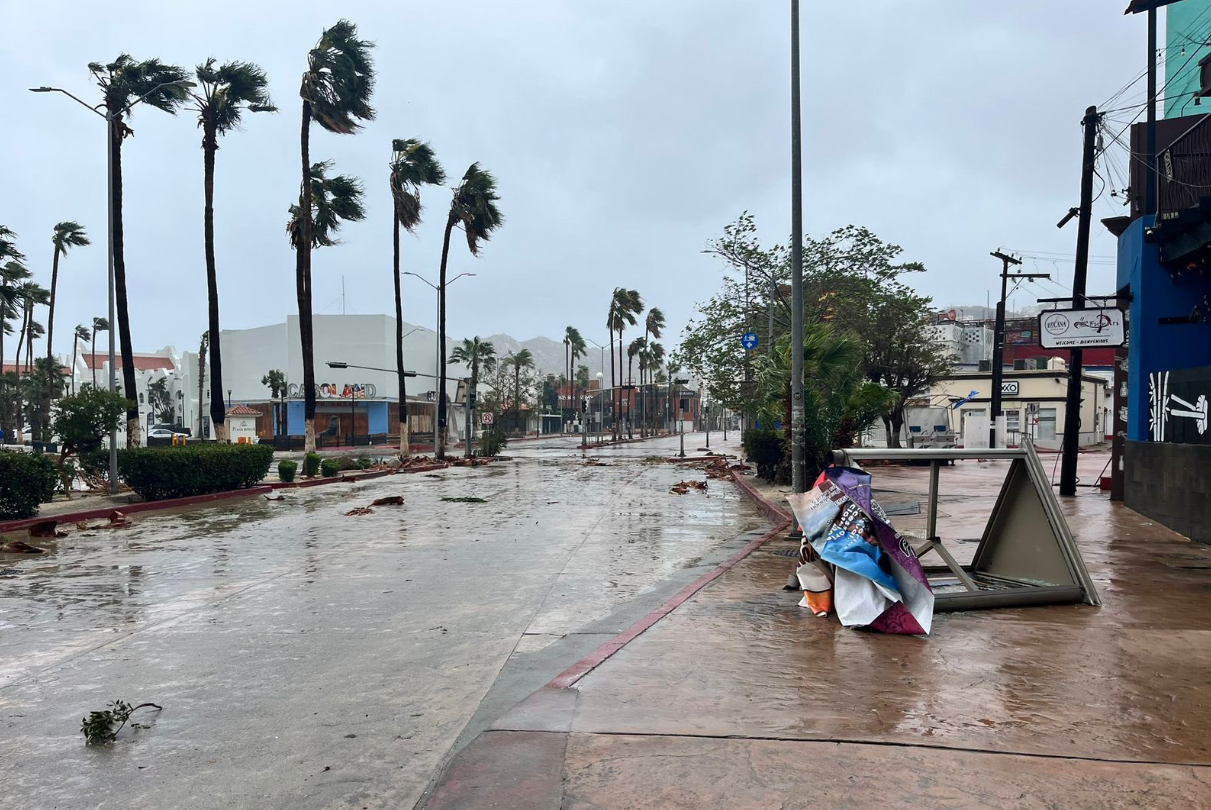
{"x":875,"y":577}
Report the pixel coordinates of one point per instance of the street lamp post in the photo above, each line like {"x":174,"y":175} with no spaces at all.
{"x":440,"y":388}
{"x":600,"y":374}
{"x":108,"y":115}
{"x":680,"y":382}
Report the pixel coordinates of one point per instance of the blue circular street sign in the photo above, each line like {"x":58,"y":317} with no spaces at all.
{"x":749,"y":341}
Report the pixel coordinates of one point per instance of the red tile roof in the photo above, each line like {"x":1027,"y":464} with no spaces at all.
{"x":242,"y":410}
{"x":143,"y":362}
{"x":7,"y":368}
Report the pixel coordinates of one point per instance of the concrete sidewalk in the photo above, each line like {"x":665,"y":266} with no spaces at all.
{"x":741,"y":699}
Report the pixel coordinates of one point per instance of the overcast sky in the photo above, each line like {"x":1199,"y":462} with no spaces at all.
{"x":624,"y":135}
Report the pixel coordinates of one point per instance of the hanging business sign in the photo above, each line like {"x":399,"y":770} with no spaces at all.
{"x":1010,"y":388}
{"x":1081,"y":328}
{"x":335,"y":391}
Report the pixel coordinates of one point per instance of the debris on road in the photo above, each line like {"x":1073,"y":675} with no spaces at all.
{"x":682,"y":487}
{"x":98,"y":727}
{"x":464,"y":499}
{"x":46,"y":528}
{"x":361,"y":510}
{"x":274,"y":497}
{"x":388,"y":500}
{"x":19,"y":547}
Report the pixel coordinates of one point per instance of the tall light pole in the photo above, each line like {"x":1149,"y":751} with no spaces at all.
{"x":798,"y":476}
{"x":601,"y":374}
{"x":109,"y":115}
{"x":680,"y":382}
{"x":439,"y":421}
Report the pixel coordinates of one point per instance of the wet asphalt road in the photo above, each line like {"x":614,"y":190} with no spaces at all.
{"x":306,"y":659}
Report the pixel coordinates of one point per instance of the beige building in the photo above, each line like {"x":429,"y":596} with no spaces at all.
{"x":1033,"y":402}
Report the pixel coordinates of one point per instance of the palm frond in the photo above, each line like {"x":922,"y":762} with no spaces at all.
{"x":474,"y":206}
{"x":413,"y":164}
{"x":68,"y":235}
{"x":334,"y":200}
{"x":339,"y":80}
{"x":8,"y":245}
{"x":227,"y":91}
{"x":151,"y":82}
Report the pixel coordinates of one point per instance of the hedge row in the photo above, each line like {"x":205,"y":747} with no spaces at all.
{"x":156,"y":473}
{"x":27,"y":480}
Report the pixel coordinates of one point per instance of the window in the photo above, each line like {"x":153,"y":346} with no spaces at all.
{"x":141,"y":402}
{"x":1046,"y":430}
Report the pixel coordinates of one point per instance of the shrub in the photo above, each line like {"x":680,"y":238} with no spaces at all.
{"x":26,"y":481}
{"x":491,"y":442}
{"x":311,"y":465}
{"x":156,"y":473}
{"x":765,"y":449}
{"x":330,"y":467}
{"x":286,"y":470}
{"x":364,"y":462}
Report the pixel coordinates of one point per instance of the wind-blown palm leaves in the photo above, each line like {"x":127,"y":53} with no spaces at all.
{"x":473,"y":208}
{"x":413,"y":165}
{"x":573,"y":349}
{"x":12,"y":273}
{"x":224,"y":93}
{"x":336,"y":90}
{"x":99,"y":325}
{"x":125,"y":82}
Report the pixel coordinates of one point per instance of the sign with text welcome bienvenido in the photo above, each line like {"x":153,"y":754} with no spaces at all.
{"x":1081,"y":328}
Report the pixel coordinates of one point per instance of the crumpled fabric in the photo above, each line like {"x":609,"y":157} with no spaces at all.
{"x":877,"y":580}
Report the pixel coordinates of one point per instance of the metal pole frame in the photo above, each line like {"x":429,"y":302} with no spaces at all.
{"x":798,"y":471}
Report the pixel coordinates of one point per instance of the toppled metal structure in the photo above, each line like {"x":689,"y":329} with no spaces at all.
{"x":1026,"y":556}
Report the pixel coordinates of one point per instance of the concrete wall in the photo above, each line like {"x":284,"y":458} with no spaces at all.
{"x":1171,"y":483}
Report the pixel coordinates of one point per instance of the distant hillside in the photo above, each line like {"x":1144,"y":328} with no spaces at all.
{"x":548,"y":354}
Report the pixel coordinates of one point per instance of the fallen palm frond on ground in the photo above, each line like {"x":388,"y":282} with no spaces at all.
{"x":386,"y":500}
{"x":464,"y":499}
{"x":682,"y":487}
{"x":98,"y":727}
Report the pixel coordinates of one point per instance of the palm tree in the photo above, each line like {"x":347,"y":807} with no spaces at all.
{"x":653,"y":327}
{"x":124,"y":82}
{"x":625,"y":305}
{"x":474,"y":208}
{"x":224,"y":93}
{"x":275,"y":381}
{"x":67,"y":235}
{"x":573,"y":349}
{"x":413,"y":165}
{"x":99,"y":325}
{"x":656,"y":354}
{"x":81,"y":334}
{"x":335,"y":89}
{"x":518,"y":361}
{"x":333,"y":200}
{"x":476,"y":355}
{"x":12,"y":274}
{"x":636,"y":346}
{"x":32,"y":294}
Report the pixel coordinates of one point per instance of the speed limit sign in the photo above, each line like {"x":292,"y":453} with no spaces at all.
{"x":486,"y":417}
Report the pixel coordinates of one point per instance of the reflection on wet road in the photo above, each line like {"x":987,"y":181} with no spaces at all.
{"x":309,"y":659}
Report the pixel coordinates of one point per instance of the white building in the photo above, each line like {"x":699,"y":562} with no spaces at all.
{"x":179,"y":374}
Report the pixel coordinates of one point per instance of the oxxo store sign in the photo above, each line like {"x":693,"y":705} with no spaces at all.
{"x":1081,"y":328}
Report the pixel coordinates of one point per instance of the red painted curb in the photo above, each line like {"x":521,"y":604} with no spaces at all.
{"x":134,"y":508}
{"x":594,"y":659}
{"x":771,"y":510}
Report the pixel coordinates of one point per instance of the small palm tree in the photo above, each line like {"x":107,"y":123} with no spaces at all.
{"x":224,"y":93}
{"x":477,"y":355}
{"x":413,"y":165}
{"x":333,"y":200}
{"x":336,"y":90}
{"x":124,"y":82}
{"x":67,"y":235}
{"x":573,"y":349}
{"x":32,"y":294}
{"x":656,"y":355}
{"x":99,"y":325}
{"x":203,"y":348}
{"x":521,"y":360}
{"x":275,"y":381}
{"x":12,"y":274}
{"x":474,"y":208}
{"x":81,"y":334}
{"x":636,"y":346}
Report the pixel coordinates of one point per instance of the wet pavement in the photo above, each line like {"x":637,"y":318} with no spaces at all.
{"x":741,"y":699}
{"x":309,"y":659}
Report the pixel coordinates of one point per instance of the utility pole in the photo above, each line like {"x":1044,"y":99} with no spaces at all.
{"x":798,"y":473}
{"x":1072,"y":407}
{"x":998,"y":338}
{"x":1150,"y":178}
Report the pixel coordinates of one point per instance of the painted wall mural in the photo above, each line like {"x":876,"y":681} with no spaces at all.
{"x":1177,"y":405}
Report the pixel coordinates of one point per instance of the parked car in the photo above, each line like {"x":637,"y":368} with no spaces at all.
{"x":160,"y":433}
{"x":177,"y":429}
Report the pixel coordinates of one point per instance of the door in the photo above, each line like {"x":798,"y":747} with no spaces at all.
{"x":1046,"y":429}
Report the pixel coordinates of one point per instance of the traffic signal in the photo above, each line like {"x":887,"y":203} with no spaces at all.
{"x":471,"y":400}
{"x":584,"y":405}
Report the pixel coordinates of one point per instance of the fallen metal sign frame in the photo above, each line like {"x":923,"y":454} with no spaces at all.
{"x":1027,"y":554}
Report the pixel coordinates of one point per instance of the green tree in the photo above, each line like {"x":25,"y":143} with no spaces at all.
{"x":517,"y":362}
{"x":327,"y":203}
{"x":159,"y":398}
{"x":81,"y":334}
{"x":203,"y":349}
{"x":275,"y":381}
{"x":474,"y":208}
{"x":625,"y":307}
{"x":12,"y":274}
{"x":225,"y":92}
{"x":413,"y":165}
{"x":573,"y":349}
{"x":125,"y":82}
{"x":66,"y":236}
{"x":99,"y":325}
{"x":335,"y":90}
{"x":82,"y":421}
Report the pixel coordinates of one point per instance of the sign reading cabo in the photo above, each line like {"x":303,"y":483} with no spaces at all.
{"x":1080,"y":328}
